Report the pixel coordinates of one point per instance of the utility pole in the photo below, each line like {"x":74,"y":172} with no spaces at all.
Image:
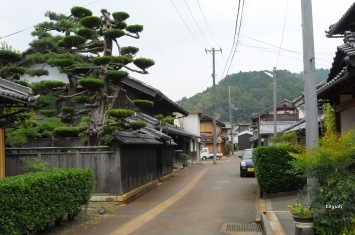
{"x":312,"y":134}
{"x":275,"y":101}
{"x":214,"y":130}
{"x":230,"y":118}
{"x":273,"y":75}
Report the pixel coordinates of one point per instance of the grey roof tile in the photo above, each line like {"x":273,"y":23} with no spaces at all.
{"x":125,"y":137}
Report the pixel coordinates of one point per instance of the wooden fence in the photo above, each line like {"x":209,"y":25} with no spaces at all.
{"x":105,"y":164}
{"x":117,"y":170}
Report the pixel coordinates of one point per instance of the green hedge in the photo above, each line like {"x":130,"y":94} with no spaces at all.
{"x":273,"y":169}
{"x":31,"y":202}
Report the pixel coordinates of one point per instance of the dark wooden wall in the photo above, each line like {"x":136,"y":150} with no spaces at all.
{"x":139,"y":165}
{"x":118,"y":172}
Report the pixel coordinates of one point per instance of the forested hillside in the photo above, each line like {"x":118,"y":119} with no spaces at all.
{"x":250,"y":92}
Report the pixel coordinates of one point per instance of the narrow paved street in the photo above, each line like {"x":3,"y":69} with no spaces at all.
{"x":198,"y":200}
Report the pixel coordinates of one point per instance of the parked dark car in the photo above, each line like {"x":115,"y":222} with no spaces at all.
{"x":246,"y":163}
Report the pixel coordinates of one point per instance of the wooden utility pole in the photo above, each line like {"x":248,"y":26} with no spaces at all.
{"x":214,"y":105}
{"x":230,"y":118}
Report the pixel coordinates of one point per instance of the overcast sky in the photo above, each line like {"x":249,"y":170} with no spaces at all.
{"x":177,"y":32}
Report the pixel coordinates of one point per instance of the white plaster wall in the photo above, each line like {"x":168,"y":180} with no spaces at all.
{"x":191,"y":123}
{"x":54,"y":74}
{"x":347,"y":119}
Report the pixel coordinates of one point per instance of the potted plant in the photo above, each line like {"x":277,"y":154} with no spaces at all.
{"x":302,"y":214}
{"x":184,"y":159}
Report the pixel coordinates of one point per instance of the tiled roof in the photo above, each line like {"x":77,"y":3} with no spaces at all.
{"x":342,"y":76}
{"x":124,"y":137}
{"x":170,"y":129}
{"x":271,"y":108}
{"x":344,"y":23}
{"x":342,"y":68}
{"x":153,"y":92}
{"x":301,"y":125}
{"x":16,"y":92}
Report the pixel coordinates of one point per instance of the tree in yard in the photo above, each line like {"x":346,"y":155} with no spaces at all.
{"x":87,"y":51}
{"x":20,"y":121}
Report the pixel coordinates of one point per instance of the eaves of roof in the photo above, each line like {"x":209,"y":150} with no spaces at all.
{"x":16,"y":92}
{"x":343,"y":24}
{"x":206,"y":117}
{"x":125,"y":137}
{"x":170,"y":129}
{"x":153,"y":92}
{"x":301,"y":125}
{"x":269,"y":109}
{"x":342,"y":77}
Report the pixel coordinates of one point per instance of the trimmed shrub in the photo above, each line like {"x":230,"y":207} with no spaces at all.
{"x":143,"y":63}
{"x":73,"y":40}
{"x":63,"y":62}
{"x":91,"y":83}
{"x":90,"y":22}
{"x":81,"y":98}
{"x":121,"y":25}
{"x":80,"y":12}
{"x":30,"y":202}
{"x":116,"y":76}
{"x":45,"y":100}
{"x":10,"y":56}
{"x":85,"y":32}
{"x":136,"y":28}
{"x":143,"y":103}
{"x":137,"y":125}
{"x":37,"y":72}
{"x":14,"y":69}
{"x":119,"y":113}
{"x":273,"y":169}
{"x":129,"y":51}
{"x":66,"y":131}
{"x":115,"y":33}
{"x":48,"y":112}
{"x":121,"y":59}
{"x":120,"y":15}
{"x":102,"y":60}
{"x":68,"y":109}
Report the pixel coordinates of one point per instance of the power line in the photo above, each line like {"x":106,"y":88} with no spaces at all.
{"x":234,"y":39}
{"x":20,"y":31}
{"x":197,"y":23}
{"x":235,"y":50}
{"x":186,"y":24}
{"x":207,"y":23}
{"x":282,"y":37}
{"x":292,"y":51}
{"x":275,"y":53}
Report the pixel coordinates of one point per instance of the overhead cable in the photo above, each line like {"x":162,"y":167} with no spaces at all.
{"x":186,"y":25}
{"x":34,"y":25}
{"x":234,"y":39}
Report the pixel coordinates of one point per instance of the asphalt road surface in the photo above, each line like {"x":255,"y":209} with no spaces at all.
{"x":198,"y":200}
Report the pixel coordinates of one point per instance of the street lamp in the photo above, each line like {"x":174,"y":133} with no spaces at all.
{"x":273,"y":75}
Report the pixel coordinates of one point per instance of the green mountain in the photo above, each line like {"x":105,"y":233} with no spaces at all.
{"x":250,"y":92}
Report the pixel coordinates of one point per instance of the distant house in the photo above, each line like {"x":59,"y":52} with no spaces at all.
{"x":263,"y":122}
{"x":191,"y":123}
{"x":206,"y":128}
{"x":339,"y":87}
{"x":12,"y":94}
{"x":244,"y":140}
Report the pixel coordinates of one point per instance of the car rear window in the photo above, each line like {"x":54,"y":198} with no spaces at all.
{"x":247,"y":154}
